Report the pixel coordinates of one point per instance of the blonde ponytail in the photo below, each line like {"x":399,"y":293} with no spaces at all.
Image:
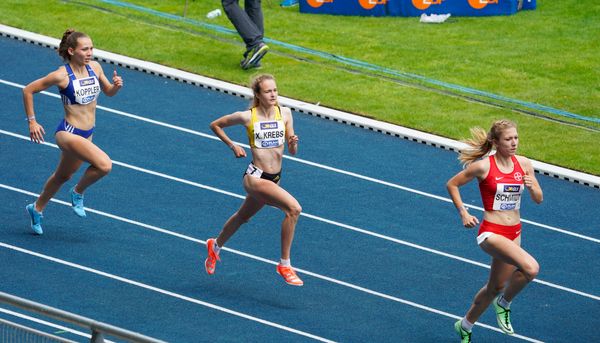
{"x":481,"y":142}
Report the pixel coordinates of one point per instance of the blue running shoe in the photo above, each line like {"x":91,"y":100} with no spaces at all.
{"x":77,"y":203}
{"x":36,"y":219}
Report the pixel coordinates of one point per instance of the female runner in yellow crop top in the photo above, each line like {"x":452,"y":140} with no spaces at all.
{"x":269,"y":127}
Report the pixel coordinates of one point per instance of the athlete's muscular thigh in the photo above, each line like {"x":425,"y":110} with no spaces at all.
{"x":269,"y":192}
{"x":507,"y":251}
{"x":81,"y":148}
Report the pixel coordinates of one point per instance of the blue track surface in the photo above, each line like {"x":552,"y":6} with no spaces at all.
{"x":380,"y":261}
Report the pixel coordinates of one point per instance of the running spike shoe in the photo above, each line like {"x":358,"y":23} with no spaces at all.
{"x":503,"y":318}
{"x":465,"y":336}
{"x":36,"y":219}
{"x":212,"y":258}
{"x":289,"y":275}
{"x":77,"y":203}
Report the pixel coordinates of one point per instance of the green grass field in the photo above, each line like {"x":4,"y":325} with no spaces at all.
{"x":549,"y":56}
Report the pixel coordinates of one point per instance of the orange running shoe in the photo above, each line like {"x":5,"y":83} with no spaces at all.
{"x":289,"y":275}
{"x":213,"y":257}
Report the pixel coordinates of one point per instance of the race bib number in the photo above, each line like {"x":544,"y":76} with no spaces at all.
{"x":268,"y":134}
{"x":86,"y":90}
{"x":508,"y":197}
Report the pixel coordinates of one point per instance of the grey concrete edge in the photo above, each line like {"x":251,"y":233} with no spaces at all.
{"x":299,"y":106}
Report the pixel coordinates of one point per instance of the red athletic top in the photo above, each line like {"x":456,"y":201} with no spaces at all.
{"x":502,"y":192}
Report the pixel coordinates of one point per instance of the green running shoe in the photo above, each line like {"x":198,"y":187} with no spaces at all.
{"x":465,"y":336}
{"x":503,"y":318}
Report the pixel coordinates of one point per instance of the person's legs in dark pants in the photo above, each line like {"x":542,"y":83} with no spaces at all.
{"x":254,"y":10}
{"x":249,"y":24}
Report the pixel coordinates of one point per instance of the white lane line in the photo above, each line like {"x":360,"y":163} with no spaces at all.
{"x":185,"y":237}
{"x":195,"y":184}
{"x":254,"y":257}
{"x":314,"y":164}
{"x":321,"y":219}
{"x":332,"y":222}
{"x":162,"y":291}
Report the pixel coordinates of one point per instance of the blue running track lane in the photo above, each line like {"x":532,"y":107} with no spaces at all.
{"x":383,"y":260}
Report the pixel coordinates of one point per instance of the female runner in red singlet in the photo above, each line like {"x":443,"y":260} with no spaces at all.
{"x":502,"y":177}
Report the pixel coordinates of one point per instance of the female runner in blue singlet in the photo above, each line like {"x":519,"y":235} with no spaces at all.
{"x":80,"y":81}
{"x":269,"y":127}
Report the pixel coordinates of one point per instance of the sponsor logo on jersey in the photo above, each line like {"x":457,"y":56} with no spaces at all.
{"x":269,"y":143}
{"x":87,"y":99}
{"x":508,"y":207}
{"x":512,"y":188}
{"x":518,"y":176}
{"x":87,"y":82}
{"x":269,"y":125}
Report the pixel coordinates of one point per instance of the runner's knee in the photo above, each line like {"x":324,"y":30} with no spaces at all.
{"x":294,"y":211}
{"x":104,"y":167}
{"x":530,"y":270}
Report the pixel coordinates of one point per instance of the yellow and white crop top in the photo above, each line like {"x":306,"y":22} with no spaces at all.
{"x":266,"y":134}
